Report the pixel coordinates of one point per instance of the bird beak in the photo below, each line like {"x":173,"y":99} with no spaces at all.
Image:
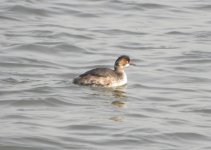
{"x":132,"y":64}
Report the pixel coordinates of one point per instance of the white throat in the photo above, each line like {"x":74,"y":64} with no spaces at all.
{"x":122,"y":81}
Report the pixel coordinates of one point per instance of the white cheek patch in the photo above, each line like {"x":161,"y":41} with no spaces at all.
{"x":127,"y":65}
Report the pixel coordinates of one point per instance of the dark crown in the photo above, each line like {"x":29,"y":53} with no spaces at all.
{"x":124,"y":59}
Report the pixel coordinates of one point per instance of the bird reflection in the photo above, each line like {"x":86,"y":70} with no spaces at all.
{"x":119,"y":104}
{"x":119,"y":92}
{"x":118,"y":100}
{"x":117,"y":118}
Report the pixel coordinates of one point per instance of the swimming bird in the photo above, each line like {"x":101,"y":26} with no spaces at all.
{"x":106,"y":77}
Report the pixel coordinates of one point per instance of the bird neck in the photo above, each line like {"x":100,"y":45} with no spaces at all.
{"x":119,"y":69}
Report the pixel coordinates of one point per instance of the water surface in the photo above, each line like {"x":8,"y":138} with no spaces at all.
{"x":45,"y":44}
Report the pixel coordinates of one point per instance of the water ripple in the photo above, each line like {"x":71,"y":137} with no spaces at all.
{"x":21,"y":9}
{"x":45,"y":44}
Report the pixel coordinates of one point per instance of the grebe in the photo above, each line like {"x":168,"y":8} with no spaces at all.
{"x":104,"y":76}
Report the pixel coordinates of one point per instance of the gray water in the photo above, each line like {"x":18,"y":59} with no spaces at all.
{"x":166,"y":104}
